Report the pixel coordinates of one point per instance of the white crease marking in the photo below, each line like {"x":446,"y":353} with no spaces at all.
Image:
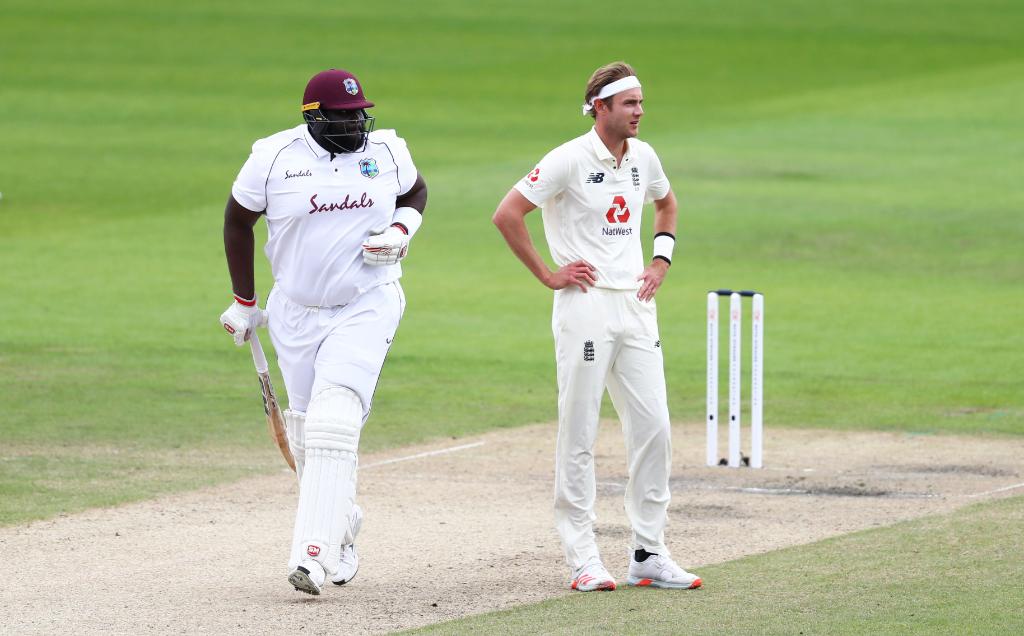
{"x":441,"y":451}
{"x":992,"y":492}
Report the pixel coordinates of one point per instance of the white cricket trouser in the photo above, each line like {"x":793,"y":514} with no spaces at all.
{"x":608,"y":338}
{"x":318,"y":347}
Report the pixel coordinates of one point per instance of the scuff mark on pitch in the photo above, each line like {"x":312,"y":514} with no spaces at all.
{"x":612,"y":530}
{"x":799,"y":487}
{"x":605,"y":488}
{"x":831,"y":491}
{"x":707,"y":511}
{"x":948,"y":469}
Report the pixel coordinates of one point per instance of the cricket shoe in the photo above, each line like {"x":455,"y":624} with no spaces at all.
{"x":349,"y":563}
{"x":658,"y":570}
{"x":592,"y":576}
{"x":308,"y":577}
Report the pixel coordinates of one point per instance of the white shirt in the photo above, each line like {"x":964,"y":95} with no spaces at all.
{"x":320,"y":208}
{"x":592,"y":207}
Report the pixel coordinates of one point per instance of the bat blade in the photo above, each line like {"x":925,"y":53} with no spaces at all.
{"x":275,"y":418}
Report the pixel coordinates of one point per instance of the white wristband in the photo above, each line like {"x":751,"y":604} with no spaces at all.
{"x":664,"y":243}
{"x":409,"y":218}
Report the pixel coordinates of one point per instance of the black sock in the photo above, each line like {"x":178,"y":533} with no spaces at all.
{"x":641,"y":555}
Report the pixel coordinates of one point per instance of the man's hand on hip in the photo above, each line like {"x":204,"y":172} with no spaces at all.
{"x":242,"y":318}
{"x":651,"y":279}
{"x":386,"y":247}
{"x":579,"y":273}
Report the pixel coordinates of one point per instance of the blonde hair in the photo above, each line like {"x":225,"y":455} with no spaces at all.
{"x":604,"y":76}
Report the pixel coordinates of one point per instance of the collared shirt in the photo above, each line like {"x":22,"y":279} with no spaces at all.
{"x":320,"y":207}
{"x":592,"y":206}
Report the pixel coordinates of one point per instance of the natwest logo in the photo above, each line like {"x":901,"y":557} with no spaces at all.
{"x":534,"y":175}
{"x":618,"y":212}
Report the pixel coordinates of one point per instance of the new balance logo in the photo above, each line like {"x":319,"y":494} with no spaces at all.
{"x":588,"y":351}
{"x":595,"y":177}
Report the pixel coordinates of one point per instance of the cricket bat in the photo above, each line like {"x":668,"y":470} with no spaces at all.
{"x":275,"y":419}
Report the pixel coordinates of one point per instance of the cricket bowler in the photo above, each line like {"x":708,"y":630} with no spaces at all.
{"x":592,"y":190}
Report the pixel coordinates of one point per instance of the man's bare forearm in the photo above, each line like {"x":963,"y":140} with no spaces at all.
{"x":240,"y":247}
{"x":666,"y":214}
{"x":512,"y":225}
{"x":518,"y":238}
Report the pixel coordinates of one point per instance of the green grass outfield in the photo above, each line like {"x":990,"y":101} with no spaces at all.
{"x":949,"y":574}
{"x":859,"y":162}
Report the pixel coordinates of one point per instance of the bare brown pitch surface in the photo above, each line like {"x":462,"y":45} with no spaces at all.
{"x":463,"y":532}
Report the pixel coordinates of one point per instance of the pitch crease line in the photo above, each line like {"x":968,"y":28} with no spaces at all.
{"x":441,"y":451}
{"x":992,"y":492}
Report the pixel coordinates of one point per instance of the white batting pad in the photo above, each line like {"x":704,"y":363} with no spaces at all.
{"x":328,"y":486}
{"x":326,"y":498}
{"x":295,"y":426}
{"x":334,"y":419}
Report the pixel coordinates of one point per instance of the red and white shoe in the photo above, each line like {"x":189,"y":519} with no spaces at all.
{"x":658,"y":570}
{"x":592,"y":577}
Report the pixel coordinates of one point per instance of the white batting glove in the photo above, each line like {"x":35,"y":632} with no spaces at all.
{"x":242,"y":318}
{"x":386,"y":247}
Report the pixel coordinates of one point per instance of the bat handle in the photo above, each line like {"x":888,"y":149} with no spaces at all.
{"x":258,"y":357}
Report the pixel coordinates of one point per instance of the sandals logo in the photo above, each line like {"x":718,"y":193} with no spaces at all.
{"x":347,"y":203}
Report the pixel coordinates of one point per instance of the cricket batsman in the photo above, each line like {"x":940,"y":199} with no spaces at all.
{"x":592,"y":190}
{"x":341,"y":201}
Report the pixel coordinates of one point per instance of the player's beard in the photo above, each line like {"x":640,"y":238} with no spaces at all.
{"x":340,"y":138}
{"x":339,"y":131}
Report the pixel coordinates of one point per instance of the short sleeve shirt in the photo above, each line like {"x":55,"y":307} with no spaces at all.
{"x":320,"y":207}
{"x":592,"y":207}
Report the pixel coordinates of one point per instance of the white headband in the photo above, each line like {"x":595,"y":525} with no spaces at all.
{"x":614,"y":88}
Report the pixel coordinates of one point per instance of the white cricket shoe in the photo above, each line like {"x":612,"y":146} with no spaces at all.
{"x":592,"y":576}
{"x":658,"y":570}
{"x":349,"y":563}
{"x":308,"y":577}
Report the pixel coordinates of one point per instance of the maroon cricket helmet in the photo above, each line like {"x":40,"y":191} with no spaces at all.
{"x":334,"y":90}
